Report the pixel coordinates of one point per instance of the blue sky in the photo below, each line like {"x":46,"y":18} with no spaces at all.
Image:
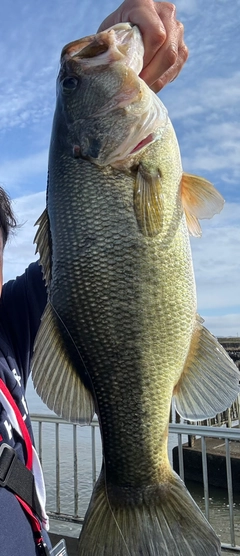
{"x":203,"y":104}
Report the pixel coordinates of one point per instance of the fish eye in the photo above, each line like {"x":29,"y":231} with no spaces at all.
{"x":69,"y":84}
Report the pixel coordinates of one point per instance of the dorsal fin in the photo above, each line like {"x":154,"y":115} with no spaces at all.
{"x":200,"y":199}
{"x":43,"y":242}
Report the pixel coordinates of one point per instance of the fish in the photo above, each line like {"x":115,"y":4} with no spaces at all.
{"x":120,"y":335}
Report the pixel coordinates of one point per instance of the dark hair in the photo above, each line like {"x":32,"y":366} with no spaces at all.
{"x":7,"y":219}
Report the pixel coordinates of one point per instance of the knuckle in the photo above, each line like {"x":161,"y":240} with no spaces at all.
{"x":157,"y":86}
{"x":171,"y":8}
{"x":161,"y":36}
{"x":165,"y":9}
{"x":172,"y":55}
{"x":184,"y":52}
{"x":158,"y":38}
{"x":180,"y":28}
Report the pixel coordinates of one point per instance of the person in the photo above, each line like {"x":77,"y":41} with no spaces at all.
{"x":21,"y":305}
{"x":22,"y":500}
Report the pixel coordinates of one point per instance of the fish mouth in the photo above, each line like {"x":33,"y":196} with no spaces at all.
{"x":122,"y":42}
{"x":120,"y":47}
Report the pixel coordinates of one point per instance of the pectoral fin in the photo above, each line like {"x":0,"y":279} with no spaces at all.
{"x":55,"y":379}
{"x":200,"y":200}
{"x":210,"y":381}
{"x":148,"y":200}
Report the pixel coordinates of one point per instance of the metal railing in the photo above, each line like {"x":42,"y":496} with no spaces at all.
{"x":178,"y":429}
{"x":211,"y":432}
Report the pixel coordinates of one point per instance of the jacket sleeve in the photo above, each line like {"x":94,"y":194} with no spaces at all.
{"x":22,"y":304}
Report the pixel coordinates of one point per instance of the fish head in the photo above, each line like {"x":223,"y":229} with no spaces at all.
{"x":107,"y":109}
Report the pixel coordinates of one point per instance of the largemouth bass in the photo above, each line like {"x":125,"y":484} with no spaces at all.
{"x":120,"y":334}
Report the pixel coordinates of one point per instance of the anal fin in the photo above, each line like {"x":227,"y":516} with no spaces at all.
{"x":209,"y":383}
{"x":54,"y":377}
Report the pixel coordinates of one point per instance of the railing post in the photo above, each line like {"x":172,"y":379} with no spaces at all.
{"x":57,"y":470}
{"x":230,"y":491}
{"x":180,"y":457}
{"x":205,"y":476}
{"x":94,"y":472}
{"x":40,"y":441}
{"x":75,"y":470}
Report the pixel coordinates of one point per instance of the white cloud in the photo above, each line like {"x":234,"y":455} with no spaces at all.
{"x":223,"y":325}
{"x":206,"y":119}
{"x":24,"y":99}
{"x":30,"y":45}
{"x":216,"y":96}
{"x":216,"y":257}
{"x":18,"y":172}
{"x":222,"y":156}
{"x":185,"y":6}
{"x":20,"y":250}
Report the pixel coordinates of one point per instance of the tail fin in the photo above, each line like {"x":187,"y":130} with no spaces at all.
{"x":173,"y":526}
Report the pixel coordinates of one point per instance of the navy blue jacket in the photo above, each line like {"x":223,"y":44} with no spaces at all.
{"x":21,"y":305}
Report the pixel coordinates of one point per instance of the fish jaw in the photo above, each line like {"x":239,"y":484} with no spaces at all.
{"x":111,"y":113}
{"x":122,"y":42}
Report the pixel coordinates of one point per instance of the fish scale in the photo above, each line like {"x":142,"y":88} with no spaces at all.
{"x":118,"y":309}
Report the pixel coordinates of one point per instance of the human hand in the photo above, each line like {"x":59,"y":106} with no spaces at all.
{"x":165,"y":52}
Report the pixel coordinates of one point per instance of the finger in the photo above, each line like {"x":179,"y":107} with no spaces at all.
{"x":173,"y":53}
{"x":145,"y":15}
{"x":153,"y":40}
{"x":168,"y":49}
{"x":171,"y":73}
{"x":162,"y":61}
{"x":156,"y":21}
